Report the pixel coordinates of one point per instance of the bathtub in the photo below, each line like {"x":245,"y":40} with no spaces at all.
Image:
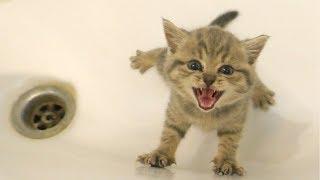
{"x":119,"y":113}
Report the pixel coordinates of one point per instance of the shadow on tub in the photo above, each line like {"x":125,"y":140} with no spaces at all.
{"x":268,"y":138}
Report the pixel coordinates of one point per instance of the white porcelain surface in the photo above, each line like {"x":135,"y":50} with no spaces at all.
{"x":120,"y":112}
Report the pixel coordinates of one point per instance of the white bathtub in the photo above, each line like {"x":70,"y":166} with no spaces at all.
{"x":120,"y":113}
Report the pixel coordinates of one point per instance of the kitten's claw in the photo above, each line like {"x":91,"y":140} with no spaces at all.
{"x":155,"y":159}
{"x":263,"y":98}
{"x":222,"y":167}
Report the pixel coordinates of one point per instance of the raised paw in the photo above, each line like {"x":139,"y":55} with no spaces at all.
{"x":156,"y":159}
{"x":142,"y":61}
{"x":263,"y":98}
{"x":222,"y":168}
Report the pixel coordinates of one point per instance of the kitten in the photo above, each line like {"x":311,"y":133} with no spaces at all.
{"x":212,"y":78}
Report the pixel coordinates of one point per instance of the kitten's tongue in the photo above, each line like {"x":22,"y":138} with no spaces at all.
{"x":205,"y":98}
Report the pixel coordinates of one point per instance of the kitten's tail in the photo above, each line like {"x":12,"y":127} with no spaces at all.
{"x":224,"y":19}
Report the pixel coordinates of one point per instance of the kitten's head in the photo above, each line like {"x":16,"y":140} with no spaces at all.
{"x":210,"y":66}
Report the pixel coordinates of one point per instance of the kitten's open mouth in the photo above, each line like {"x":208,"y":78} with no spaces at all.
{"x":207,"y":97}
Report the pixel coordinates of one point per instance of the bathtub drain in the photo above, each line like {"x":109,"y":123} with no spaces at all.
{"x":43,"y":111}
{"x":47,"y":115}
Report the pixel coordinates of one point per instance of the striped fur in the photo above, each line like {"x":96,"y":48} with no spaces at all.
{"x":213,"y":47}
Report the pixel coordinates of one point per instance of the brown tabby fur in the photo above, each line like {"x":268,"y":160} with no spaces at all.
{"x":213,"y":47}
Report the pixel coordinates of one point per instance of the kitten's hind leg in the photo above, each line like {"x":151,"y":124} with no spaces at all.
{"x":145,"y":60}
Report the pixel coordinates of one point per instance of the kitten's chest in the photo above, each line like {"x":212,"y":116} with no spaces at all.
{"x":205,"y":122}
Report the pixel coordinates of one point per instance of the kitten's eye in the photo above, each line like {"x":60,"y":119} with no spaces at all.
{"x":194,"y":65}
{"x":226,"y":69}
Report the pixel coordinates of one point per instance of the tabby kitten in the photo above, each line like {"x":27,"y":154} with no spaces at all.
{"x":212,"y":78}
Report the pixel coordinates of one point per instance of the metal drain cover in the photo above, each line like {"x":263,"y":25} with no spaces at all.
{"x":43,"y":111}
{"x":47,"y":115}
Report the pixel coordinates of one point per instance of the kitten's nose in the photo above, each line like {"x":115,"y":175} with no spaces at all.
{"x":209,"y":79}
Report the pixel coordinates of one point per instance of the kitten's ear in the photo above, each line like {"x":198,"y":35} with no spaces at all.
{"x":174,"y":35}
{"x":254,"y":46}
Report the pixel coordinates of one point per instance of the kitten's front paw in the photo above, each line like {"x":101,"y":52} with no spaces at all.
{"x":141,"y":61}
{"x":156,"y":159}
{"x":223,"y":167}
{"x":263,"y":98}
